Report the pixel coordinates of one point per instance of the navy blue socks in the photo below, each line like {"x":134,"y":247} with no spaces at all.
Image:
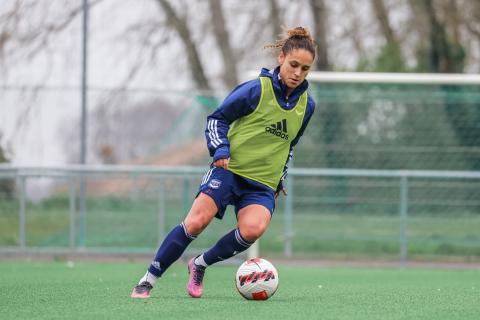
{"x":178,"y":240}
{"x":170,"y":250}
{"x":231,"y":244}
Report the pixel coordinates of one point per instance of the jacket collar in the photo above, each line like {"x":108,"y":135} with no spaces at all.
{"x":279,"y":87}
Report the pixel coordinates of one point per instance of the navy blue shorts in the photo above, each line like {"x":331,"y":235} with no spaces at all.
{"x":225,"y":188}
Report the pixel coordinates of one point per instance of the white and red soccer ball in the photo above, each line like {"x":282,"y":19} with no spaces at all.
{"x":257,"y":279}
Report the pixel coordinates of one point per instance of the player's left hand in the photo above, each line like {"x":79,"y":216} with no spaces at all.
{"x":222,"y":163}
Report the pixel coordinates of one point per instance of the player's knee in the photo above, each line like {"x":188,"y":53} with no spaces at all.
{"x":197,"y":222}
{"x":252,"y":232}
{"x":195,"y":227}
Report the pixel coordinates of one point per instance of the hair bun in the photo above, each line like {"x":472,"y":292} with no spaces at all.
{"x":299,"y":32}
{"x":296,"y":38}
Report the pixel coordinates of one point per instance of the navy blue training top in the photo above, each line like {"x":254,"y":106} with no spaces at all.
{"x":241,"y":102}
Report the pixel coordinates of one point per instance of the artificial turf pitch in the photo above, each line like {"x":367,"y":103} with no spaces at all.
{"x":94,"y":290}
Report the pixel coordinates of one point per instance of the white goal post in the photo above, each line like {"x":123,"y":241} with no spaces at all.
{"x":400,"y":78}
{"x":377,"y":78}
{"x":385,"y":77}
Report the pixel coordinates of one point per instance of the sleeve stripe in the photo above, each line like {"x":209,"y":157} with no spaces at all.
{"x":213,"y":134}
{"x":210,"y":134}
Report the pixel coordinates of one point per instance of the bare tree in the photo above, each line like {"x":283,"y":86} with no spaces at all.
{"x":472,"y":22}
{"x":27,"y":40}
{"x":352,"y":30}
{"x":443,"y":54}
{"x":223,"y":40}
{"x":390,"y":57}
{"x":28,"y":30}
{"x":235,"y":33}
{"x":384,"y":22}
{"x":319,"y":12}
{"x":275,"y":18}
{"x":453,"y":19}
{"x":179,"y":23}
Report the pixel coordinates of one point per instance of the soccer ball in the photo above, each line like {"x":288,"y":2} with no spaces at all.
{"x":257,"y":279}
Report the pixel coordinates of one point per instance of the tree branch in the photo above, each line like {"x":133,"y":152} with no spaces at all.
{"x":319,"y":12}
{"x":180,"y":25}
{"x":223,"y":41}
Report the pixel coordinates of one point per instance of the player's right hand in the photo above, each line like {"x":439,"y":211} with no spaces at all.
{"x":223,"y":163}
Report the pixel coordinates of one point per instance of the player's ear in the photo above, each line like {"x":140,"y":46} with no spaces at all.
{"x":281,"y":58}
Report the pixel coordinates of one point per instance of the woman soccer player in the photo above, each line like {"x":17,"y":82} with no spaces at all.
{"x":251,"y":138}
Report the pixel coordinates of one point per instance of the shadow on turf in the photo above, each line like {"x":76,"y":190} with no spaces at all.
{"x":210,"y":297}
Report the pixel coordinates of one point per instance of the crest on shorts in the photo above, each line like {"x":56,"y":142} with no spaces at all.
{"x":215,"y":184}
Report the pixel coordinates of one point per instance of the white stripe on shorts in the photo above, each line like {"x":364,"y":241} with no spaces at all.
{"x":207,"y":176}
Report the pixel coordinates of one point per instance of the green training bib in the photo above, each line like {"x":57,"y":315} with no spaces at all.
{"x":260,"y":142}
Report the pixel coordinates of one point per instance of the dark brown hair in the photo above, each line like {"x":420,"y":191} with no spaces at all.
{"x":297,"y":38}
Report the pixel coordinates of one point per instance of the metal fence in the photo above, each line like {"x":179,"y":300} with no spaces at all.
{"x":328,"y":214}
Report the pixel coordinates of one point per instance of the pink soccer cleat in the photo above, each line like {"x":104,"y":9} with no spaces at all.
{"x":142,"y":290}
{"x":195,"y":281}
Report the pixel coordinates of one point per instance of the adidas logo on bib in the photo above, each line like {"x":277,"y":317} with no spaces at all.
{"x":279,"y":129}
